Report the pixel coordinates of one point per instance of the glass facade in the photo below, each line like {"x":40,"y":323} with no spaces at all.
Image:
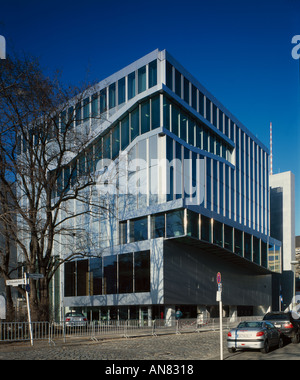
{"x":213,"y":188}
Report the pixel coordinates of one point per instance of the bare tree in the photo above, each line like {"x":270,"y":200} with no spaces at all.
{"x":43,"y":134}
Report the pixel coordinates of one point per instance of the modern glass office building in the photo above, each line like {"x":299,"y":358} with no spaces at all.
{"x":188,"y":189}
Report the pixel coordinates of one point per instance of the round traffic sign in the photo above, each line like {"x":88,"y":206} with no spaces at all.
{"x":219,"y":278}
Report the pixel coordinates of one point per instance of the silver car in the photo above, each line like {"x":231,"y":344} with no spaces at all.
{"x":74,"y":319}
{"x":259,"y":335}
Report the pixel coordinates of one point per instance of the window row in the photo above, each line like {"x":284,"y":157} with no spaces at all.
{"x":115,"y":274}
{"x":179,"y":223}
{"x":194,"y":132}
{"x":196,"y":99}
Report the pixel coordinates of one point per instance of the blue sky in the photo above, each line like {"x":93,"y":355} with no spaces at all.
{"x":239,"y":50}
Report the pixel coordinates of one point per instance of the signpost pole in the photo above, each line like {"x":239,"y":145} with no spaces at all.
{"x":28,"y":307}
{"x":219,"y":298}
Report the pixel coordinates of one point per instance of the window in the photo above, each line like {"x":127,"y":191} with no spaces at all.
{"x":142,"y":271}
{"x":125,"y":132}
{"x":82,"y":278}
{"x":192,"y":224}
{"x":145,"y":117}
{"x":247,"y":246}
{"x":175,"y":223}
{"x":157,"y":226}
{"x":110,"y":274}
{"x":123,"y":232}
{"x":78,"y":117}
{"x":115,"y":141}
{"x":126,"y":273}
{"x":186,"y":92}
{"x":201,"y":103}
{"x":238,"y":242}
{"x":96,"y":276}
{"x":205,"y":228}
{"x":166,"y":110}
{"x":228,"y":237}
{"x":139,"y":229}
{"x":175,"y":117}
{"x":103,"y":103}
{"x":177,"y":83}
{"x":86,"y":109}
{"x":131,"y":85}
{"x":121,"y":91}
{"x":169,"y":75}
{"x":155,"y":112}
{"x":70,"y":279}
{"x":218,"y":233}
{"x":152,"y":73}
{"x":142,"y":79}
{"x":208,"y":109}
{"x":135,"y":120}
{"x":256,"y":250}
{"x":112,"y":96}
{"x":94,"y":105}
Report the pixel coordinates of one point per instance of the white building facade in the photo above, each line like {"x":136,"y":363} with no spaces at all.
{"x":188,"y":191}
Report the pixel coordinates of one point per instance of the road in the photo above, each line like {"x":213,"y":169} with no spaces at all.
{"x":288,"y":352}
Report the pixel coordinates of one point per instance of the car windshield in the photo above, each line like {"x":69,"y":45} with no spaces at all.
{"x":74,"y":315}
{"x":243,"y":325}
{"x":276,"y":317}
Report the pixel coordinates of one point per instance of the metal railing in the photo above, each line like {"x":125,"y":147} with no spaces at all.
{"x":95,"y":330}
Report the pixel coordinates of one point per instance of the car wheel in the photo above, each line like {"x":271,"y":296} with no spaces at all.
{"x":266,"y":348}
{"x":280,"y":343}
{"x":231,"y":350}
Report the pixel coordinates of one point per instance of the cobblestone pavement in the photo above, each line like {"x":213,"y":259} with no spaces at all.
{"x":192,"y":346}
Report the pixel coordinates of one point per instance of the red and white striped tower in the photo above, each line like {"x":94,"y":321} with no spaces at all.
{"x":271,"y":150}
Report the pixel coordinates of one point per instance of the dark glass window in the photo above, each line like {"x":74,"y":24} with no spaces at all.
{"x":125,"y":132}
{"x":175,"y":121}
{"x":145,"y":117}
{"x":121,"y":91}
{"x":131,"y":85}
{"x":186,"y":92}
{"x":139,"y":229}
{"x":112,"y":95}
{"x":82,"y":278}
{"x":191,"y":132}
{"x":208,"y":109}
{"x":110,"y":274}
{"x":70,"y":279}
{"x":96,"y":276}
{"x":166,"y":109}
{"x":169,"y":75}
{"x":247,"y":246}
{"x":135,"y":123}
{"x":95,"y":108}
{"x":264,"y":254}
{"x":215,"y":113}
{"x":256,"y":250}
{"x":183,"y":126}
{"x":106,"y":146}
{"x":194,"y":97}
{"x":78,"y":116}
{"x":103,"y":103}
{"x":205,"y":228}
{"x":155,"y":112}
{"x":142,"y":79}
{"x":126,"y":273}
{"x":192,"y":224}
{"x":201,"y":103}
{"x":177,"y":83}
{"x":238,"y":242}
{"x":175,"y":223}
{"x":218,"y":233}
{"x":142,"y":271}
{"x":228,"y":237}
{"x":157,"y":226}
{"x":152,"y":73}
{"x":115,"y":141}
{"x":208,"y":182}
{"x":86,"y":109}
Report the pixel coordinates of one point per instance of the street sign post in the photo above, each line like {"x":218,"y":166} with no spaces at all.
{"x":219,"y":299}
{"x":24,"y":281}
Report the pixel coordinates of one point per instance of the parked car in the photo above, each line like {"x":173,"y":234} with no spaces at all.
{"x":255,"y":335}
{"x":288,"y":325}
{"x":74,"y":319}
